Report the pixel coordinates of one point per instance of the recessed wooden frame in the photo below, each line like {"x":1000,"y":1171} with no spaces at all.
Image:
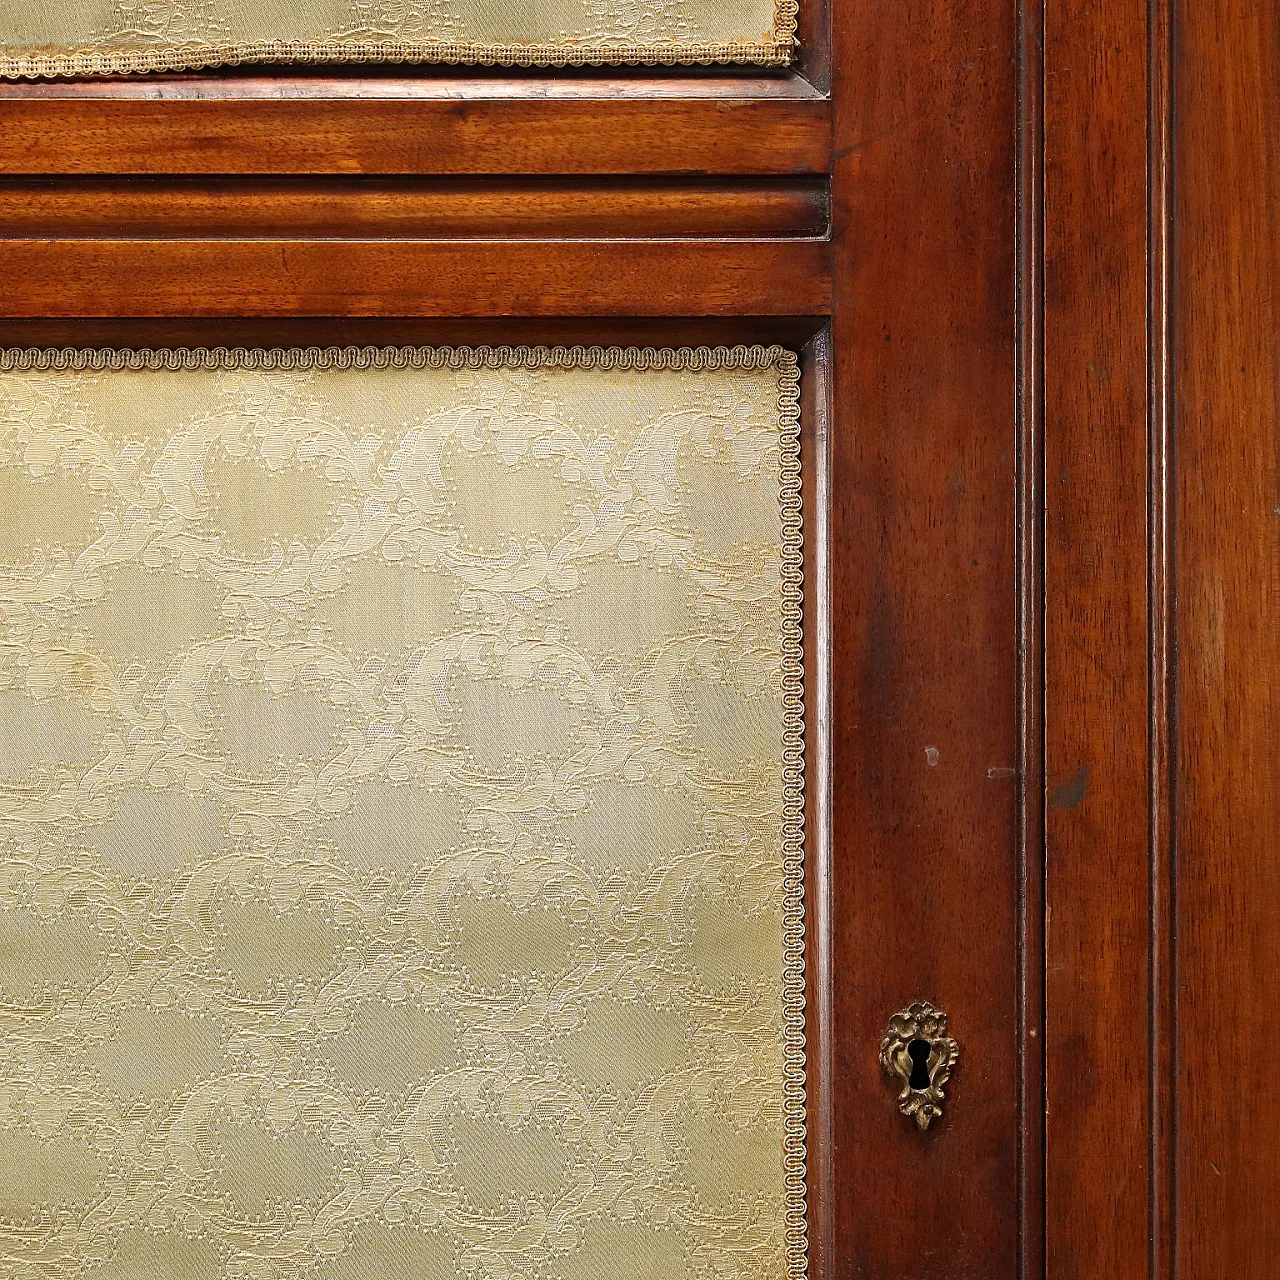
{"x":918,"y":451}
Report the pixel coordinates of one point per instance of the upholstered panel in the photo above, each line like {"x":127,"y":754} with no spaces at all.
{"x":401,"y":816}
{"x":79,"y":37}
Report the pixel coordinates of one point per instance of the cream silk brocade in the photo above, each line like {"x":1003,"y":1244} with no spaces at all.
{"x":85,"y":37}
{"x":401,"y":816}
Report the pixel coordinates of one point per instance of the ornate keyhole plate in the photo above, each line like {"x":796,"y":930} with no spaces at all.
{"x":917,"y":1050}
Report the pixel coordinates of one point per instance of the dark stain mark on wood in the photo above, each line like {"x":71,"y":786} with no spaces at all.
{"x":1070,"y":794}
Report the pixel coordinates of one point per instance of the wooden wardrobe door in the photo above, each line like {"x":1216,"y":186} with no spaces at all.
{"x":874,"y":208}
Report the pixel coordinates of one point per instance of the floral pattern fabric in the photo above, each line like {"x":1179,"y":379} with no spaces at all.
{"x":400,"y":815}
{"x":87,"y":37}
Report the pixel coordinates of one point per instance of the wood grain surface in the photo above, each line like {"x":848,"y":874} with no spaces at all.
{"x":1101,"y":869}
{"x":1227,"y":541}
{"x":413,"y":208}
{"x":600,"y":134}
{"x":796,"y":332}
{"x":1162,"y":510}
{"x":414,"y":277}
{"x":925,"y":641}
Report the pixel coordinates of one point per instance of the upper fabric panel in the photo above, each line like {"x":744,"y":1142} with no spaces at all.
{"x":91,"y":37}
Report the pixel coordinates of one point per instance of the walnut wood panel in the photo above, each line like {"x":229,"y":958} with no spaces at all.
{"x":414,"y":277}
{"x":1104,"y":861}
{"x":1164,"y":945}
{"x":1163,"y":511}
{"x":305,"y":208}
{"x":424,"y":135}
{"x":1227,"y":541}
{"x":927,"y":740}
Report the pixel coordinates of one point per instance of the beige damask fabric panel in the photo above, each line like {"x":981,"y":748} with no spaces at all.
{"x":88,"y":37}
{"x":401,"y":815}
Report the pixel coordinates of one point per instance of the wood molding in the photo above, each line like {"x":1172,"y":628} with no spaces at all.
{"x":701,"y":135}
{"x":313,"y":207}
{"x":797,"y":332}
{"x":1029,"y":467}
{"x":463,"y":278}
{"x":1109,"y":640}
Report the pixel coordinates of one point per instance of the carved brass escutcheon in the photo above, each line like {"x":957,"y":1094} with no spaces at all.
{"x":918,"y":1051}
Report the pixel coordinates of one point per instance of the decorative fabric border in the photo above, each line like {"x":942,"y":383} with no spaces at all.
{"x":639,"y":359}
{"x":774,"y":52}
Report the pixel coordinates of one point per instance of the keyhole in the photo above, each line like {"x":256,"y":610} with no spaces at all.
{"x":919,"y":1051}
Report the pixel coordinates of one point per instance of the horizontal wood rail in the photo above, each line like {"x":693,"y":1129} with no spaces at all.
{"x":436,"y":208}
{"x":463,"y":278}
{"x":428,"y":133}
{"x":795,"y":332}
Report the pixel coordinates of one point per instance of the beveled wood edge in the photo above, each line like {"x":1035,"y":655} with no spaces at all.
{"x":816,"y":420}
{"x":375,"y":84}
